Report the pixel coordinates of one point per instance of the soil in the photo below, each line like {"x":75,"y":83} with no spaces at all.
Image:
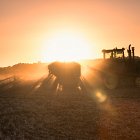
{"x":29,"y":111}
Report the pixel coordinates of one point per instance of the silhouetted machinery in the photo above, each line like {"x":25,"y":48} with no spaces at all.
{"x":67,"y":74}
{"x":119,"y":70}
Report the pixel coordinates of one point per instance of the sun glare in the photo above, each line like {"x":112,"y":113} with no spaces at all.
{"x":65,"y":46}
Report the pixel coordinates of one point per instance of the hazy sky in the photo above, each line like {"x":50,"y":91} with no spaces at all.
{"x":26,"y":24}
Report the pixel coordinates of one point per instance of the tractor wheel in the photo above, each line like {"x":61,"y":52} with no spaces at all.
{"x":111,"y":81}
{"x":137,"y":81}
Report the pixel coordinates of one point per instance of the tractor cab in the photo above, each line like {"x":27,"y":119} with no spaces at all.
{"x":119,"y":54}
{"x":113,"y":53}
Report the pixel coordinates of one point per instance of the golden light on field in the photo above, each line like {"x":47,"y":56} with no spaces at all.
{"x":65,"y":46}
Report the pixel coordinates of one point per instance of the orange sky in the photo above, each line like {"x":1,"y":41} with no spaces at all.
{"x":26,"y":24}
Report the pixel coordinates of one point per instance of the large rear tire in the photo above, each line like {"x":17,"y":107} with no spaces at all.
{"x":111,"y":81}
{"x":137,"y":81}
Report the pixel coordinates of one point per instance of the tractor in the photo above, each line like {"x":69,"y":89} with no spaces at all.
{"x":118,"y":70}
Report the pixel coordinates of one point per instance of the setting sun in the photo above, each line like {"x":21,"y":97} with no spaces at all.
{"x":65,"y":46}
